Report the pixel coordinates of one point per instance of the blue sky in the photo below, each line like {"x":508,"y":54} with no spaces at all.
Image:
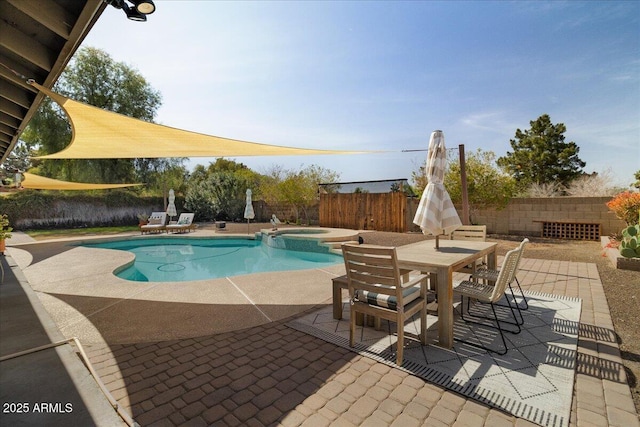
{"x":383,"y":75}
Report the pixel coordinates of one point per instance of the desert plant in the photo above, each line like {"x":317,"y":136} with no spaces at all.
{"x":626,"y":206}
{"x":630,"y":243}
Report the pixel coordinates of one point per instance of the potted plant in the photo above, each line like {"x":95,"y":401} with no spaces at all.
{"x":5,"y":232}
{"x":143,"y":219}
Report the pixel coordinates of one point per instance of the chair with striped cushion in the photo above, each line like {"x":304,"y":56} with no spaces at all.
{"x":376,"y":289}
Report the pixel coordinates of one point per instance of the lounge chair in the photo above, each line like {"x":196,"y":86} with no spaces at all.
{"x":183,"y":225}
{"x":157,"y":223}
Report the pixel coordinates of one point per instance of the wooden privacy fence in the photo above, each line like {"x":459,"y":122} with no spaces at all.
{"x":365,"y":211}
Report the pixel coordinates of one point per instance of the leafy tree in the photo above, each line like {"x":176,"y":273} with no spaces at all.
{"x":419,"y":178}
{"x":219,"y":191}
{"x":49,"y":132}
{"x":199,"y":173}
{"x":637,"y":178}
{"x":161,"y":175}
{"x":92,"y":77}
{"x":300,"y":188}
{"x":198,"y":198}
{"x":269,"y":181}
{"x":398,"y":187}
{"x":18,"y":160}
{"x":487,"y":186}
{"x":225,"y":165}
{"x":240,"y":170}
{"x":228,"y":194}
{"x":540,"y":155}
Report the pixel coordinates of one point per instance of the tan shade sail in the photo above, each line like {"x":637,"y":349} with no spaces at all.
{"x":102,"y":134}
{"x":36,"y":182}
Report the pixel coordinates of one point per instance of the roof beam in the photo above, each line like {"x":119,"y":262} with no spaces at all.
{"x":14,"y":94}
{"x":28,"y":48}
{"x":11,"y":109}
{"x":49,"y":14}
{"x":9,"y":121}
{"x":6,"y":130}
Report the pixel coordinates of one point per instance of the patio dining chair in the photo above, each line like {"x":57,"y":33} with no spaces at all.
{"x":376,"y":289}
{"x":491,"y":275}
{"x":490,"y":294}
{"x":476,"y":233}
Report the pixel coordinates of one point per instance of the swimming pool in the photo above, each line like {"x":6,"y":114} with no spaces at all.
{"x":187,"y":259}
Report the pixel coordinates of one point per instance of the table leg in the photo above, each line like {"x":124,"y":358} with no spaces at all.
{"x":445,"y":307}
{"x":337,"y":301}
{"x":492,"y":259}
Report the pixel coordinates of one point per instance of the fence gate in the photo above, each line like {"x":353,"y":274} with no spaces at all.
{"x":364,"y":211}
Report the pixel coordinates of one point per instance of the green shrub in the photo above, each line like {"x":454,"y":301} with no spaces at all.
{"x":31,"y":209}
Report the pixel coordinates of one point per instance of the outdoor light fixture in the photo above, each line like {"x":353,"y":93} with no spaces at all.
{"x":137,"y":12}
{"x":144,"y":6}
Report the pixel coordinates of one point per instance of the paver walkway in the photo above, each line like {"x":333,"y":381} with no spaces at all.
{"x":274,"y":375}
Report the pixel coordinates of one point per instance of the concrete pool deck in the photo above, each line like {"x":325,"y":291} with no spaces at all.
{"x":86,"y":300}
{"x":272,"y":375}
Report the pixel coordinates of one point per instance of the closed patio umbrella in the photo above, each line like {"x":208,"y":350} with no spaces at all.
{"x":436,"y":214}
{"x":171,"y":207}
{"x":248,"y":210}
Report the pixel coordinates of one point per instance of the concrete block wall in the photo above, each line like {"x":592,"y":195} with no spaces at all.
{"x":522,"y":215}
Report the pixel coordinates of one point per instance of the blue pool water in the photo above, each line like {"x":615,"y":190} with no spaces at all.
{"x":181,"y":260}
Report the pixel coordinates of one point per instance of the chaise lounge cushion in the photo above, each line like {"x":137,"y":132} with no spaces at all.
{"x":156,"y":224}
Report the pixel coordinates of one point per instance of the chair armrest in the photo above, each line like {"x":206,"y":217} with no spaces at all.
{"x":415,"y":280}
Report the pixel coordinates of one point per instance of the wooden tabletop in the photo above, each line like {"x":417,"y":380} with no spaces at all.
{"x":451,"y":254}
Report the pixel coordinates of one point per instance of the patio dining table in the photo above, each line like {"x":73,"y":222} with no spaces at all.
{"x":452,"y":256}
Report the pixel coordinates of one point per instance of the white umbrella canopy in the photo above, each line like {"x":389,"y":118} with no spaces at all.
{"x":436,"y":214}
{"x":248,"y":210}
{"x":171,"y":207}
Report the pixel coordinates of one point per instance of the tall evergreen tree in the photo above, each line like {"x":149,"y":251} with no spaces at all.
{"x":541,"y":156}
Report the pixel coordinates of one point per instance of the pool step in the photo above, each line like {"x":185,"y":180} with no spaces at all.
{"x":336,"y":247}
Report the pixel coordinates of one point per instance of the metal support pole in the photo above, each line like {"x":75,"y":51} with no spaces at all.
{"x":463,"y":177}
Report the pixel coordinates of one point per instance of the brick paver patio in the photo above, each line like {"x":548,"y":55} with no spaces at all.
{"x":274,"y":375}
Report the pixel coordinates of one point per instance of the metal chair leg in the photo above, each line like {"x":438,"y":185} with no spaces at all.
{"x":497,"y":323}
{"x":524,"y":299}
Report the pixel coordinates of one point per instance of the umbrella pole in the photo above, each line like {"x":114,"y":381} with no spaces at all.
{"x":437,"y":241}
{"x":248,"y":225}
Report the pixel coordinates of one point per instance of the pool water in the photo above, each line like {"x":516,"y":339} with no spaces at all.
{"x":181,"y":260}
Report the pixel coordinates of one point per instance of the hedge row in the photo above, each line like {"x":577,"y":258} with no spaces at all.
{"x":46,"y":210}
